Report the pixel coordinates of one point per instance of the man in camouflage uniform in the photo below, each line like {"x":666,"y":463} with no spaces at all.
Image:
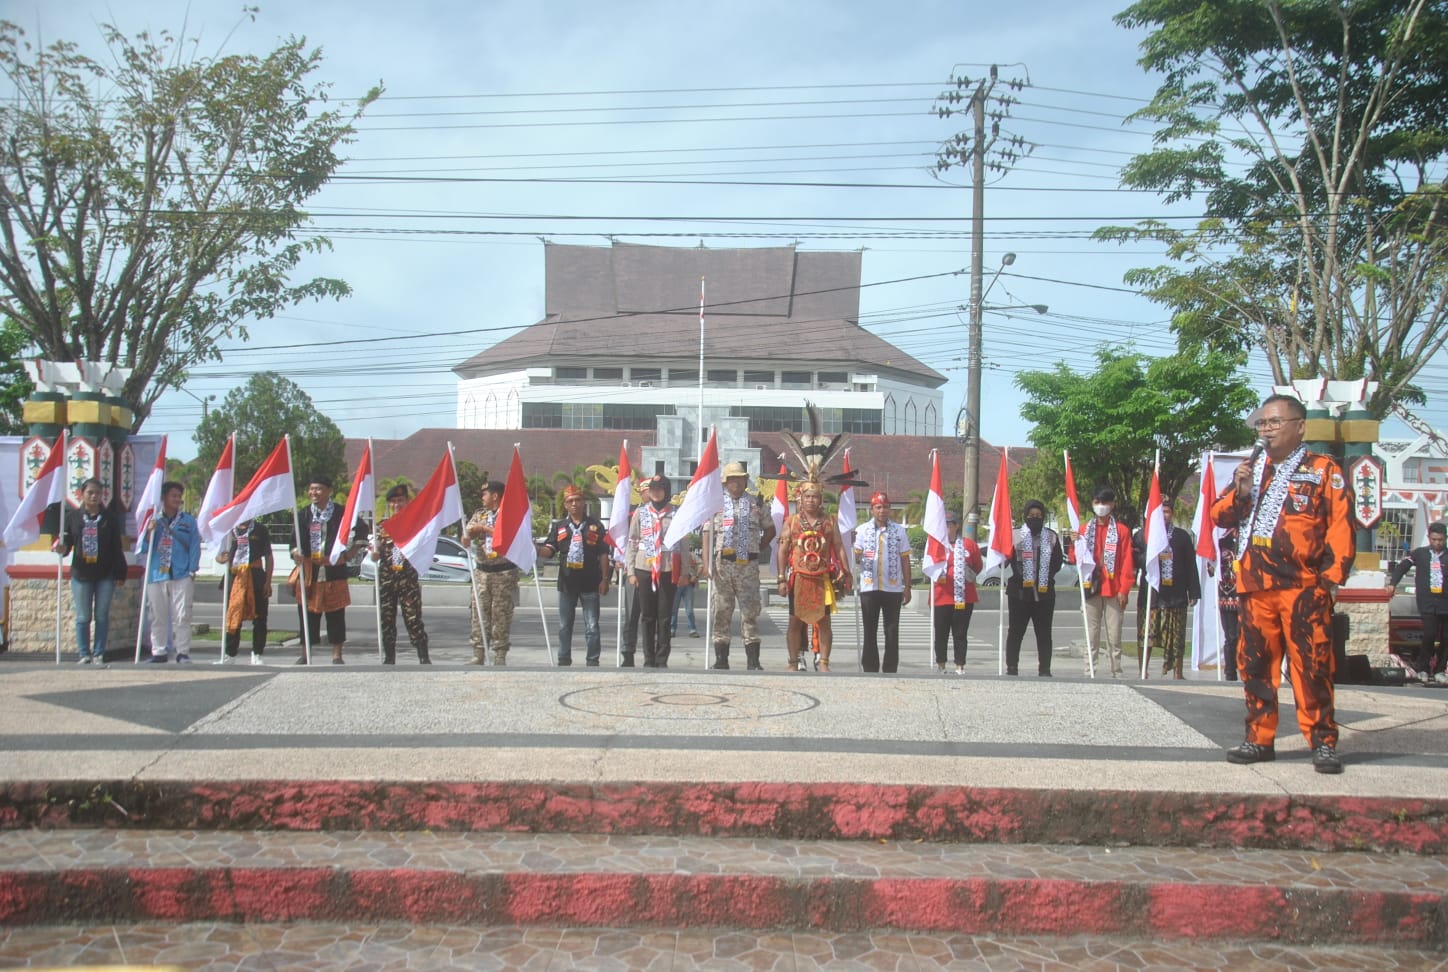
{"x":734,"y":538}
{"x":497,"y":580}
{"x":398,"y":586}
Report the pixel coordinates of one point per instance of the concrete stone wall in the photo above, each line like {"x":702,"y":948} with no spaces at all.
{"x":32,"y":616}
{"x":1369,"y":630}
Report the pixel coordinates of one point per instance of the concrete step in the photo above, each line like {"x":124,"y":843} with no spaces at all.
{"x":323,"y":947}
{"x":590,"y":880}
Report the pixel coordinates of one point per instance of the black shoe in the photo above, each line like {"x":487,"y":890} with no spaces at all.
{"x":302,"y":660}
{"x":1324,"y":759}
{"x":1046,"y":675}
{"x":591,"y":663}
{"x":1012,"y":671}
{"x":626,"y":662}
{"x":1249,"y":752}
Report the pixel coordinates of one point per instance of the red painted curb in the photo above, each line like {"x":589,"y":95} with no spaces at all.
{"x":973,"y":906}
{"x":816,"y":811}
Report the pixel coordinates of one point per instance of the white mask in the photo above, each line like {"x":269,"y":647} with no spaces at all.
{"x":1101,"y":509}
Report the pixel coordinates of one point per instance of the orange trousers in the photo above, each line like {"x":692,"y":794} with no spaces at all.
{"x":1295,"y":622}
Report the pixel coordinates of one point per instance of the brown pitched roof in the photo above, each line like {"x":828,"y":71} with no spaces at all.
{"x":599,"y":300}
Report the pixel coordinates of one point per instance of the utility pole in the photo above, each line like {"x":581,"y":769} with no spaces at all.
{"x":974,"y":149}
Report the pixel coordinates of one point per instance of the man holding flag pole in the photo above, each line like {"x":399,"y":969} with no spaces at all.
{"x":618,"y":521}
{"x":1000,"y":548}
{"x":1108,"y":570}
{"x":146,"y":509}
{"x":323,"y":546}
{"x":733,"y":540}
{"x":847,"y":520}
{"x":218,"y":494}
{"x":1154,"y":540}
{"x":411,"y":531}
{"x":512,"y":535}
{"x":657,"y":531}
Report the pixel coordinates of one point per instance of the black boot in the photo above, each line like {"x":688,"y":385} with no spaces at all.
{"x":389,"y":656}
{"x":422,"y":656}
{"x":721,"y":658}
{"x":627,"y":660}
{"x":751,"y":655}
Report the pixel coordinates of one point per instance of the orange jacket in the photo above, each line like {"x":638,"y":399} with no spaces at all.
{"x":1314,"y":539}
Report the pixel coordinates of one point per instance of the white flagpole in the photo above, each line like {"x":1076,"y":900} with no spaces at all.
{"x":377,"y":568}
{"x":472,"y":565}
{"x":301,"y":567}
{"x":538,"y":588}
{"x":1001,"y":625}
{"x":226,"y":570}
{"x":1145,"y":636}
{"x":706,"y":535}
{"x":59,"y":570}
{"x":618,"y":634}
{"x":141,"y":612}
{"x":698,"y":438}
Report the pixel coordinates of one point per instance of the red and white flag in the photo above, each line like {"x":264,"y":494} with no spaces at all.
{"x":362,"y":498}
{"x":1157,"y":539}
{"x":219,"y":491}
{"x":150,"y":500}
{"x":1002,"y":528}
{"x":513,"y":527}
{"x":618,"y":518}
{"x":704,"y":498}
{"x":1085,"y":557}
{"x":848,"y":518}
{"x":1206,"y":529}
{"x":416,"y":527}
{"x":271,"y":489}
{"x":779,"y":509}
{"x":937,"y":540}
{"x":48,"y":487}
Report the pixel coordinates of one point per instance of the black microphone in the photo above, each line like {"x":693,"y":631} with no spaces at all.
{"x":1257,"y":448}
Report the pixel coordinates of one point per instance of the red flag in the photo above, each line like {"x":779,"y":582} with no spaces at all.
{"x":847,"y":519}
{"x":1002,"y":528}
{"x":1157,"y":538}
{"x":936,"y":537}
{"x":513,"y":527}
{"x":1206,"y":537}
{"x":779,"y":508}
{"x":150,"y":500}
{"x":362,"y":496}
{"x":1084,"y":556}
{"x":218,"y":491}
{"x":416,"y":527}
{"x":48,"y":487}
{"x":704,"y":498}
{"x":622,"y":490}
{"x":270,"y":490}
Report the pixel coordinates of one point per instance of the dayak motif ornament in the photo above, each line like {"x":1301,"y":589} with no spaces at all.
{"x":33,"y":453}
{"x":106,"y":470}
{"x":1366,"y":476}
{"x":128,"y":475}
{"x":80,"y":465}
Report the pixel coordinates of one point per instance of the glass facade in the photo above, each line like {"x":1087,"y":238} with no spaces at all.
{"x":590,"y":415}
{"x":770,"y":418}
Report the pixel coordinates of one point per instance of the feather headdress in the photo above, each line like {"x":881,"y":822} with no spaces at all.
{"x":811,"y":453}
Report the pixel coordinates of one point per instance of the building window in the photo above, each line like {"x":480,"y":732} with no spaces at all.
{"x":864,"y":421}
{"x":645,"y":374}
{"x":795,"y":379}
{"x":490,"y":412}
{"x":683,"y":376}
{"x":752,"y":378}
{"x":890,"y":418}
{"x":912,"y":426}
{"x":722,"y":376}
{"x":542,"y":415}
{"x":634,"y":416}
{"x":932,"y":421}
{"x":608,"y":374}
{"x":581,"y":415}
{"x":834,"y":378}
{"x":570,"y":374}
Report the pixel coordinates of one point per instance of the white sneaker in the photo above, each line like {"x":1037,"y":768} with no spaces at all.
{"x":960,"y":669}
{"x":225,"y":660}
{"x":1441,"y":678}
{"x":257,"y":659}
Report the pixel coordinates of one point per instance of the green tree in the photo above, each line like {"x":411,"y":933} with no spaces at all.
{"x":1113,"y":419}
{"x":1315,"y":135}
{"x":150,"y":203}
{"x":260,"y":412}
{"x":15,"y":384}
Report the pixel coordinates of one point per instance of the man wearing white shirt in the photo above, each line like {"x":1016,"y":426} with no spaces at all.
{"x":882,"y":553}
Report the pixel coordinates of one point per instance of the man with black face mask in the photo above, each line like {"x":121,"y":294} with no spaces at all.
{"x":1031,"y":590}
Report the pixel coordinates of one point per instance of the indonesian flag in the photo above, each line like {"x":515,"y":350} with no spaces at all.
{"x":48,"y":488}
{"x":1002,"y":530}
{"x":363,"y":496}
{"x":1157,"y":540}
{"x":704,"y":498}
{"x":150,"y":500}
{"x":936,"y":539}
{"x":271,"y":489}
{"x":416,"y":527}
{"x":848,"y":518}
{"x":779,"y":509}
{"x":618,"y":518}
{"x":1085,"y":556}
{"x":513,"y":527}
{"x":218,"y":491}
{"x":1206,"y":535}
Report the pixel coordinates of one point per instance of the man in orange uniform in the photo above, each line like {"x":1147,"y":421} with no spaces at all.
{"x":1290,"y":507}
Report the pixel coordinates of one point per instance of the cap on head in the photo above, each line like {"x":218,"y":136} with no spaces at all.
{"x":1104,"y":494}
{"x":734,"y":469}
{"x":879,"y":496}
{"x":657,"y":482}
{"x":809,"y":486}
{"x":400,"y":491}
{"x":1035,"y":504}
{"x":572,"y":492}
{"x":952,"y":517}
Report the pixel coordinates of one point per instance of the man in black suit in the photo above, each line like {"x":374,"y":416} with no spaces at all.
{"x":1429,"y":564}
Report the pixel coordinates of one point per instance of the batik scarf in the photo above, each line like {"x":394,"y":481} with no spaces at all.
{"x":1267,"y":504}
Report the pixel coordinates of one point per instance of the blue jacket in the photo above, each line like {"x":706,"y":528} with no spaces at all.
{"x":185,"y":548}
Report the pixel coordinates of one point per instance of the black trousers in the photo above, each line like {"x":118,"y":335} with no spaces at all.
{"x":1231,"y":639}
{"x":656,"y":608}
{"x":950,"y":623}
{"x":1037,"y":613}
{"x":872,"y":605}
{"x":1433,"y":652}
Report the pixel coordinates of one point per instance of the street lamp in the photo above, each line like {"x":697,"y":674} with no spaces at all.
{"x":971,"y":471}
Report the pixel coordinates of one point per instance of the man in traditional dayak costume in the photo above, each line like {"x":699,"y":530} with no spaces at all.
{"x":811,"y":553}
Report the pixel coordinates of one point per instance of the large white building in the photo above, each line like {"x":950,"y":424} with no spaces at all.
{"x":619,"y":348}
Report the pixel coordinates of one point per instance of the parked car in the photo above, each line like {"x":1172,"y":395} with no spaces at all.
{"x":449,"y":563}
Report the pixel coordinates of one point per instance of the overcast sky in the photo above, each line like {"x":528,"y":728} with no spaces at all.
{"x":739,"y":124}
